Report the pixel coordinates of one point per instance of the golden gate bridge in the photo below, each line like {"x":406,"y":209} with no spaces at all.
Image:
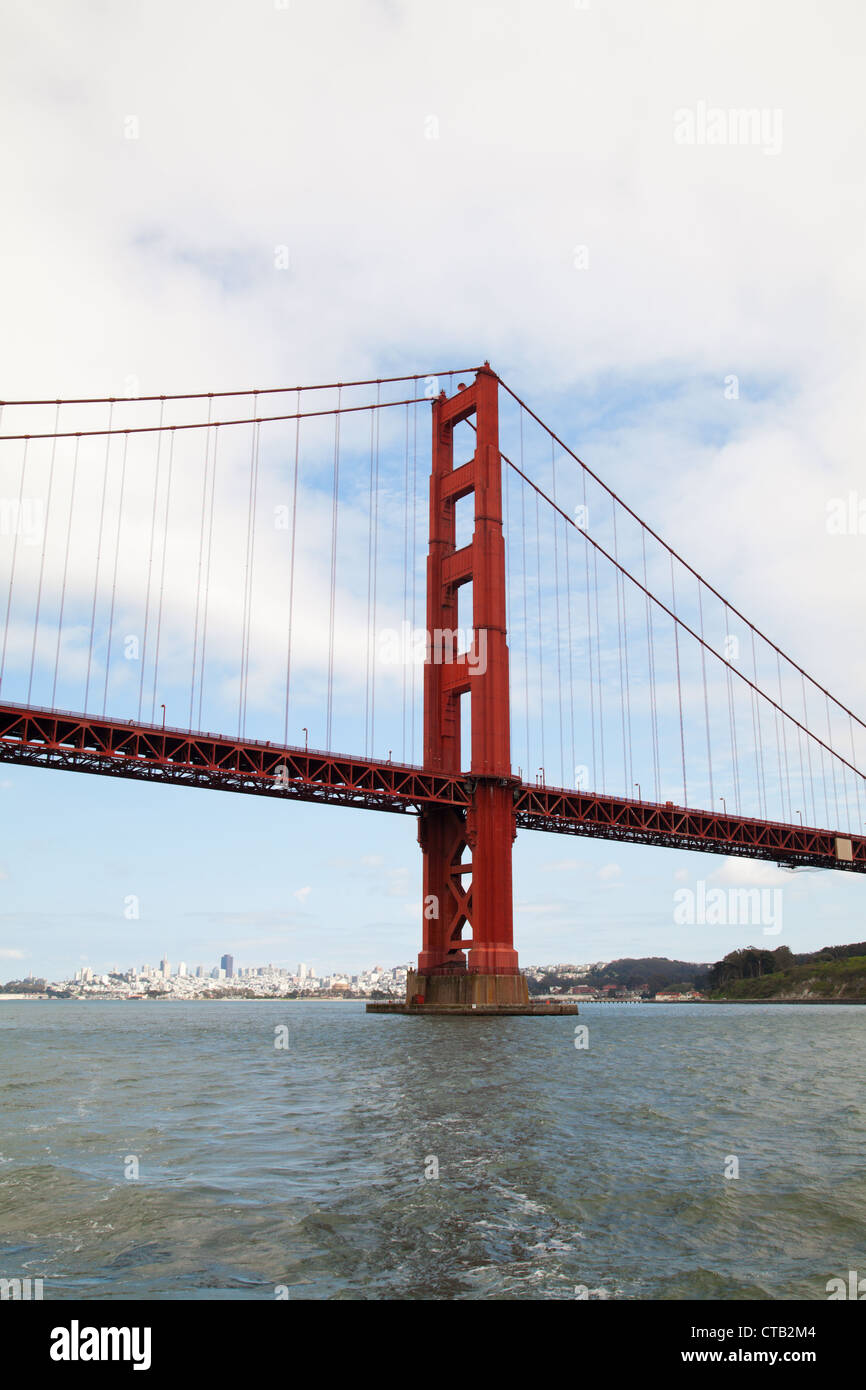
{"x":260,"y":561}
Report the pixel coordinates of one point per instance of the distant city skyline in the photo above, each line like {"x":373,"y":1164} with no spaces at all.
{"x":267,"y":982}
{"x":301,"y":973}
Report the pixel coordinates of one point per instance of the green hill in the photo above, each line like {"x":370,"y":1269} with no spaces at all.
{"x":843,"y":979}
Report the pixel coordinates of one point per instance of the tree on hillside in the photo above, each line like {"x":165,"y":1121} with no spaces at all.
{"x":749,"y":963}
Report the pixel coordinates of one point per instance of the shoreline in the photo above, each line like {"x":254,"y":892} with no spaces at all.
{"x":137,"y":999}
{"x":285,"y":999}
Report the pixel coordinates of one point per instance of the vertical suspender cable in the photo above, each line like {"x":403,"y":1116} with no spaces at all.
{"x":595,"y":782}
{"x":621,"y":640}
{"x":562,"y":781}
{"x":809,"y":752}
{"x":630,"y":787}
{"x":508,"y":586}
{"x":374,"y":570}
{"x":18,"y":520}
{"x":824,"y":785}
{"x":832,"y":766}
{"x":652,"y":675}
{"x":857,"y":780}
{"x":368,"y":673}
{"x":598,"y":669}
{"x":201,"y":533}
{"x":735,"y":759}
{"x":114,"y":573}
{"x":414,"y":565}
{"x":706,"y":698}
{"x":150,"y":559}
{"x":162,"y":573}
{"x":98,"y":556}
{"x":65,"y":570}
{"x":784,"y":740}
{"x":334,"y":512}
{"x":753,"y":697}
{"x":568,"y":530}
{"x":525,"y":607}
{"x":292,"y":570}
{"x":375,"y":577}
{"x":244,"y":607}
{"x":405,"y":644}
{"x":44,"y":546}
{"x":802,"y":772}
{"x":679,"y":683}
{"x":216,"y":440}
{"x":257,"y":449}
{"x":540,"y":651}
{"x":760,"y":732}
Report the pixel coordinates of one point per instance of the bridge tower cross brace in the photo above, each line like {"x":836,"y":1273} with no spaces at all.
{"x":486,"y":831}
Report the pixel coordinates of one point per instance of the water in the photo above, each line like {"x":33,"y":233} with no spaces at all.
{"x":305,"y":1167}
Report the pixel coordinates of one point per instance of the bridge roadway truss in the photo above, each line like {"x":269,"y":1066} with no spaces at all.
{"x":148,"y":752}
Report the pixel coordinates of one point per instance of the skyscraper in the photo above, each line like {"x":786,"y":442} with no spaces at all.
{"x":228,"y":965}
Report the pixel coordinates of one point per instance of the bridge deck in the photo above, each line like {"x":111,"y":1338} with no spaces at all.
{"x":73,"y":742}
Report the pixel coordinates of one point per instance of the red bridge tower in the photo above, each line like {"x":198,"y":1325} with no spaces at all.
{"x":467,"y":857}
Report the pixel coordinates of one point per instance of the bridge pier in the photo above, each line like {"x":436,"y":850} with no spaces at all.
{"x":467,"y":992}
{"x":477,"y":974}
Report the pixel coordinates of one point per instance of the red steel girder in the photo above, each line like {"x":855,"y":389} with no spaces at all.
{"x":85,"y":743}
{"x":109,"y":747}
{"x":678,"y":827}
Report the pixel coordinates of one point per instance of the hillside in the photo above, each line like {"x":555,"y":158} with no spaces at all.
{"x":645,"y":974}
{"x":752,"y":972}
{"x":842,"y":979}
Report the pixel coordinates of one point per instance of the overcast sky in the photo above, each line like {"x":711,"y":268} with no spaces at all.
{"x":223,"y":195}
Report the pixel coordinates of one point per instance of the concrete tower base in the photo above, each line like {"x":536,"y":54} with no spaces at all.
{"x":468,"y":993}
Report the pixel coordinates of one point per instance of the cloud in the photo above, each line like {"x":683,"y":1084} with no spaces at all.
{"x":752,"y":873}
{"x":178,"y":226}
{"x":303,"y":893}
{"x":11,"y":953}
{"x":152,"y":260}
{"x":610,"y":871}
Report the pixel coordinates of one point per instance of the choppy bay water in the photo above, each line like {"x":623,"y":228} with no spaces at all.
{"x":305,"y":1167}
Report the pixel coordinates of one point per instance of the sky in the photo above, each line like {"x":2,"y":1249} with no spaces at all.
{"x":227,"y":195}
